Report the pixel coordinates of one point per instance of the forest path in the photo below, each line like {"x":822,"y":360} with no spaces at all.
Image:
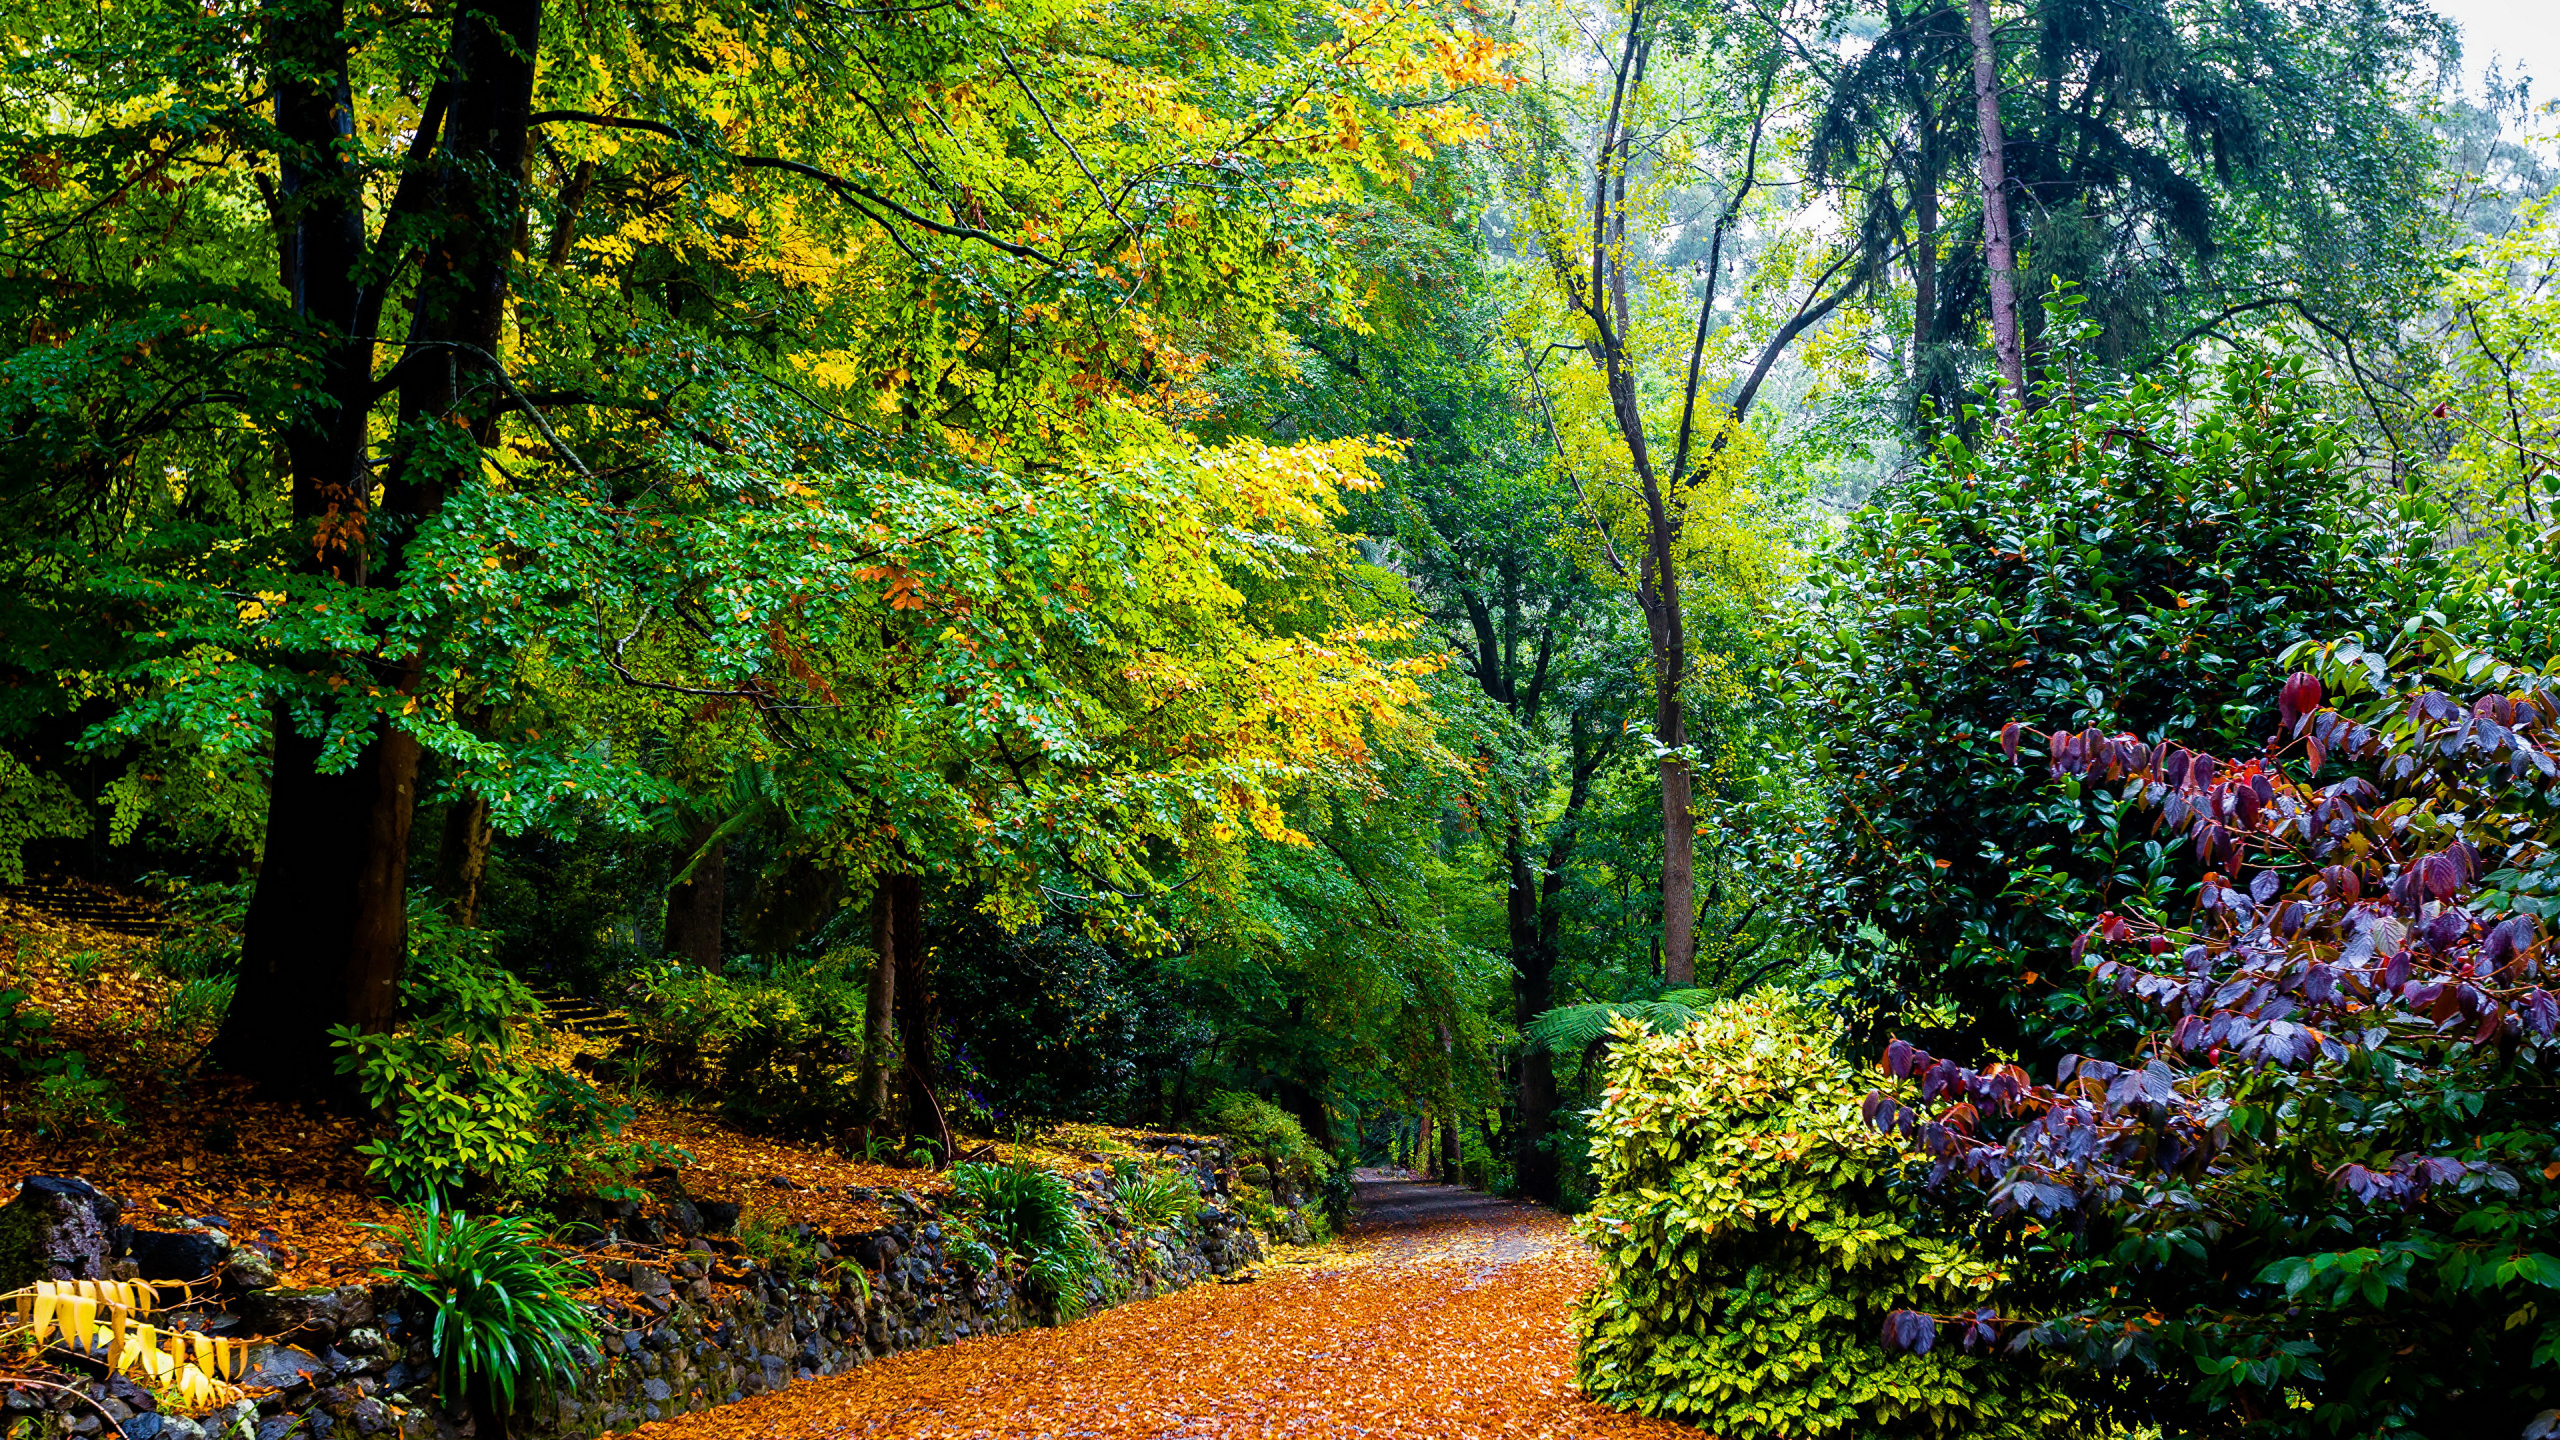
{"x":1446,"y":1314}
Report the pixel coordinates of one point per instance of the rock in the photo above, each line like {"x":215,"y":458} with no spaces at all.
{"x":179,"y":1255}
{"x":658,"y":1390}
{"x":685,"y":1216}
{"x":58,"y":1228}
{"x":719,"y":1216}
{"x":179,"y":1427}
{"x":281,"y":1367}
{"x":313,"y":1317}
{"x":369,"y":1417}
{"x":248,"y":1270}
{"x":146,"y":1426}
{"x":362,"y":1340}
{"x":651,"y":1283}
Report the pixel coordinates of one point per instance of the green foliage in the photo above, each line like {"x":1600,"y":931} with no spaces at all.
{"x":781,"y":1051}
{"x":1753,"y":1233}
{"x":1052,"y":1025}
{"x":1156,"y":1198}
{"x":774,"y":1240}
{"x":33,"y":807}
{"x":1030,"y":1216}
{"x":1570,"y":1028}
{"x":68,"y":1101}
{"x":2134,"y":557}
{"x":502,"y":1318}
{"x":1266,"y":1134}
{"x":463,"y":1096}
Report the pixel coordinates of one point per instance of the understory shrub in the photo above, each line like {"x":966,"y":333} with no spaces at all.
{"x":2319,"y":1194}
{"x":2133,"y":557}
{"x":780,"y":1051}
{"x":1028,"y":1215}
{"x":1156,"y":1199}
{"x":1268,"y":1136}
{"x":1754,"y":1234}
{"x":466,"y":1097}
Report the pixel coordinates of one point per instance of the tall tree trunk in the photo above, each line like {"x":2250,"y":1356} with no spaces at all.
{"x":879,"y":1010}
{"x":462,"y":857}
{"x":1998,"y":242}
{"x":696,"y":906}
{"x":1453,"y":1165}
{"x":1659,"y":595}
{"x":916,"y":1007}
{"x":1426,"y":1146}
{"x":325,"y":934}
{"x":327,"y":929}
{"x":1533,"y":963}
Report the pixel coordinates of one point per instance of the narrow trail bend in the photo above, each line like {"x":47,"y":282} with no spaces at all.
{"x":1449,"y":1319}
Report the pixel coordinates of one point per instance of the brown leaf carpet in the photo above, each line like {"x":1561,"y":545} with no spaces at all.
{"x":1445,"y":1314}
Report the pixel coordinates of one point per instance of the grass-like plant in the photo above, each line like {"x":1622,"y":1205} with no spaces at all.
{"x":1029,"y":1214}
{"x":1156,"y":1199}
{"x":502,"y":1313}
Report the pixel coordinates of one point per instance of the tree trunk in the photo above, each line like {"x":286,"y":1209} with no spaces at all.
{"x":1999,"y":246}
{"x":1453,"y":1168}
{"x":1924,"y":266}
{"x":915,"y":1004}
{"x":696,"y":905}
{"x":1426,"y":1146}
{"x":1533,"y":963}
{"x":327,"y":930}
{"x":879,"y":1045}
{"x":1660,"y":597}
{"x":327,"y":925}
{"x":462,"y":857}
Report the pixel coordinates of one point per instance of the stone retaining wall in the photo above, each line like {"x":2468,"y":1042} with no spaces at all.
{"x":710,"y":1325}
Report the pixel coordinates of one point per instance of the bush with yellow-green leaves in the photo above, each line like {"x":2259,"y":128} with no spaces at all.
{"x":1753,"y":1236}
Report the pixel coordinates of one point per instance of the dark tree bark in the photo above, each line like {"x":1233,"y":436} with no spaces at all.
{"x":462,"y":857}
{"x":327,"y":929}
{"x":879,"y":1010}
{"x":918,"y":1012}
{"x":696,"y":905}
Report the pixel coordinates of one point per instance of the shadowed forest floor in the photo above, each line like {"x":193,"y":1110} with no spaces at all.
{"x":1445,"y":1314}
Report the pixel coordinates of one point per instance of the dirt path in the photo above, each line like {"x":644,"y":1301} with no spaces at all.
{"x":1447,"y":1319}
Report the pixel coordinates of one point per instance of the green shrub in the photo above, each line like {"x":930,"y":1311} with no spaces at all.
{"x":466,"y":1101}
{"x":772,"y":1239}
{"x":68,"y":1100}
{"x":1266,"y":1133}
{"x":1029,"y":1215}
{"x":502,"y":1314}
{"x":778,"y":1052}
{"x":2133,"y":558}
{"x":1753,"y":1233}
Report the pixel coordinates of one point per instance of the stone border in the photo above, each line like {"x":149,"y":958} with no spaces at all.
{"x":711,"y":1325}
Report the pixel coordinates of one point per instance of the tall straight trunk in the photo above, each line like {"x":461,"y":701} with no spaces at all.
{"x":1453,"y":1166}
{"x":1533,"y":965}
{"x":696,"y":906}
{"x":1924,"y":264}
{"x":1426,"y":1146}
{"x":917,"y":1011}
{"x":1998,"y":241}
{"x":462,"y":857}
{"x":879,"y":1010}
{"x":327,"y":930}
{"x":1659,"y":596}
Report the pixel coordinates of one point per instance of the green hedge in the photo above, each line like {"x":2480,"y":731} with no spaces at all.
{"x":1752,"y":1239}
